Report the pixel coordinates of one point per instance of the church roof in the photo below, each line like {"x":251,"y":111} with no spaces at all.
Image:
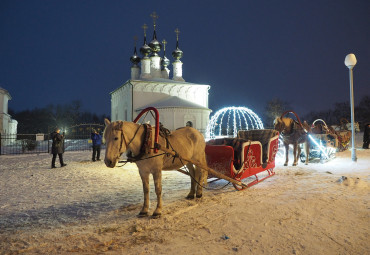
{"x":173,"y":102}
{"x":5,"y":92}
{"x":158,"y":81}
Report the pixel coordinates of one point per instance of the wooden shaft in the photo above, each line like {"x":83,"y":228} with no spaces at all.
{"x":182,"y":171}
{"x":210,"y":170}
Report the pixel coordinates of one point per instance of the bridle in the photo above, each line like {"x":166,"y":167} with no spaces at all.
{"x":123,"y":138}
{"x":284,"y":130}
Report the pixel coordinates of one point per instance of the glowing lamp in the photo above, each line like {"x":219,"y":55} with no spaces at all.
{"x":350,"y":60}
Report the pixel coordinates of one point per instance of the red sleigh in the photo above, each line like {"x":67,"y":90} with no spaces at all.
{"x":252,"y":152}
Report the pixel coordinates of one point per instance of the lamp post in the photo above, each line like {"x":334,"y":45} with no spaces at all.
{"x":350,"y":61}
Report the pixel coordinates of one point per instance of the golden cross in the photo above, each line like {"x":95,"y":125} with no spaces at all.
{"x":177,"y":31}
{"x":164,"y":42}
{"x":135,"y":39}
{"x":145,"y":27}
{"x":154,"y":16}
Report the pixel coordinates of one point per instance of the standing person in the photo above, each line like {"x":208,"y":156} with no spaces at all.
{"x":366,"y":136}
{"x":96,"y":140}
{"x":57,"y":148}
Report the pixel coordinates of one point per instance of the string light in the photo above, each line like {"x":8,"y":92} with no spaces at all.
{"x":229,"y":120}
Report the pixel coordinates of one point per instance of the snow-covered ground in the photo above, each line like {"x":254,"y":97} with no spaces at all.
{"x":87,"y":208}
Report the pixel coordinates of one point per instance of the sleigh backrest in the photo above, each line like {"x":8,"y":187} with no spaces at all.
{"x":268,"y":138}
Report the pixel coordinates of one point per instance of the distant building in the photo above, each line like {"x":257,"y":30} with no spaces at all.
{"x":179,"y":103}
{"x":7,"y":124}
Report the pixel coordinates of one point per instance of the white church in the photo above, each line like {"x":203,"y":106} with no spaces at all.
{"x":179,"y":103}
{"x":8,"y":126}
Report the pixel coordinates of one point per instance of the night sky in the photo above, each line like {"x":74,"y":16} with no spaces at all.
{"x":53,"y":52}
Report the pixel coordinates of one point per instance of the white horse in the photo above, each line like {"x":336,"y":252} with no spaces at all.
{"x":128,"y":137}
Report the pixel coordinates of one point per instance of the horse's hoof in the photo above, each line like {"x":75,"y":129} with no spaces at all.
{"x":199,"y":196}
{"x":285,"y":164}
{"x":142,"y":214}
{"x":190,"y":197}
{"x":156,"y":215}
{"x":294,"y":164}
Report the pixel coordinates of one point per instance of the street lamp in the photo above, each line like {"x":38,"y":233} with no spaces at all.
{"x":350,"y":61}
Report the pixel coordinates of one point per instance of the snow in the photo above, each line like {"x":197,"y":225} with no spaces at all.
{"x":88,"y":208}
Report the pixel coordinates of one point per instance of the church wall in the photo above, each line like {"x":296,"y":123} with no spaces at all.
{"x":173,"y":118}
{"x":7,"y":124}
{"x":2,"y":124}
{"x":121,"y":103}
{"x":12,"y":126}
{"x":3,"y":103}
{"x":137,"y":94}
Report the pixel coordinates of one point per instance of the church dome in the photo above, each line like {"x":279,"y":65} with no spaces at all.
{"x":177,"y":53}
{"x":135,"y":59}
{"x":154,"y":45}
{"x":145,"y":50}
{"x":165,"y":61}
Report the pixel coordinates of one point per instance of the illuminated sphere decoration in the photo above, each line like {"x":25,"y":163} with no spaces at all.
{"x":229,"y":120}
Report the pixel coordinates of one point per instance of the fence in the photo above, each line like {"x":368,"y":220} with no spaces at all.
{"x":77,"y":138}
{"x":41,"y":143}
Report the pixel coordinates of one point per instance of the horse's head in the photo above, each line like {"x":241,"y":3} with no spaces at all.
{"x":278,"y":124}
{"x":282,"y":124}
{"x":115,"y":145}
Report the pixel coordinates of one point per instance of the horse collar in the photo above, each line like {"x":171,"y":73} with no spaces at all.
{"x":146,"y":145}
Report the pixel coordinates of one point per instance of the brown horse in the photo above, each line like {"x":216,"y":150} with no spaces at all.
{"x":128,"y":137}
{"x":293,"y":133}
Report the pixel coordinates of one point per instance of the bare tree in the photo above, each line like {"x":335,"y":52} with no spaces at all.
{"x":274,"y":108}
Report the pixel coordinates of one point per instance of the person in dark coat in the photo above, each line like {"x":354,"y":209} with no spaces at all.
{"x":57,"y":148}
{"x":96,"y":141}
{"x":366,"y":136}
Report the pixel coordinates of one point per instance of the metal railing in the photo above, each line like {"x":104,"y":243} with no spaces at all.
{"x":40,"y":143}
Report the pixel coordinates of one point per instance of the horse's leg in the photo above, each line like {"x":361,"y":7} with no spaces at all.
{"x":199,"y":181}
{"x":157,"y":176}
{"x":295,"y":145}
{"x":286,"y":153}
{"x":193,"y":183}
{"x":299,"y":153}
{"x":203,"y":176}
{"x":145,"y":179}
{"x":307,"y":146}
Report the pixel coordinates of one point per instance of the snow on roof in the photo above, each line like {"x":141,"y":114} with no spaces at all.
{"x":5,"y":92}
{"x":158,"y":81}
{"x":163,"y":80}
{"x":173,"y":102}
